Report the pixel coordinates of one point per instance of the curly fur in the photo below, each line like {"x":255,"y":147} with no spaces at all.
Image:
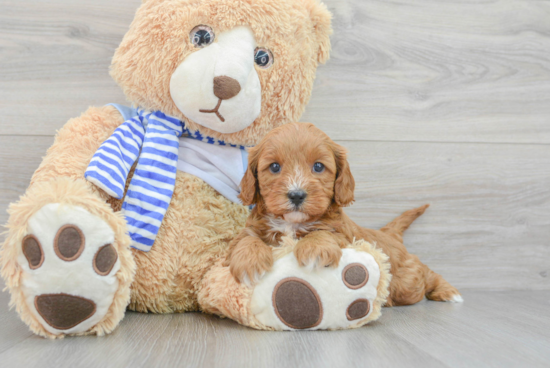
{"x":323,"y":228}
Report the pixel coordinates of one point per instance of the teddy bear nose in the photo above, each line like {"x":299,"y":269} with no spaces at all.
{"x":297,"y":197}
{"x":226,"y":87}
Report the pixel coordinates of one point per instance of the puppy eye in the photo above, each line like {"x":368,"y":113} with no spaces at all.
{"x":201,"y":36}
{"x":263,"y":57}
{"x":318,"y":167}
{"x":274,"y":168}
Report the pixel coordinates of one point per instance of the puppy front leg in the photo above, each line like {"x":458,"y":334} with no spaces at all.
{"x":319,"y":247}
{"x":249,"y":259}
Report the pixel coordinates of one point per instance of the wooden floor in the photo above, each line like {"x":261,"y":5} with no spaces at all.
{"x":491,"y":329}
{"x":440,"y":102}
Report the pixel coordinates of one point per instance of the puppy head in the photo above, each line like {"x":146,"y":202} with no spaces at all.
{"x":297,"y":172}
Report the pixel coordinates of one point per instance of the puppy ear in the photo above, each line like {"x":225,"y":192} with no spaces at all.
{"x":344,"y":186}
{"x":321,"y":18}
{"x":250,"y":192}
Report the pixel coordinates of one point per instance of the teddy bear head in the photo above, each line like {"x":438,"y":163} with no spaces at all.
{"x":231,"y":69}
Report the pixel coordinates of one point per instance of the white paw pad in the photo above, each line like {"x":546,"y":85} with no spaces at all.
{"x":69,"y":266}
{"x":292,"y":297}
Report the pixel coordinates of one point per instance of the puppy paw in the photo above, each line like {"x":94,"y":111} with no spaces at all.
{"x":291,"y":297}
{"x":69,"y":265}
{"x":248,"y":262}
{"x":452,"y":296}
{"x":445,"y":292}
{"x":311,"y":254}
{"x":457,"y":299}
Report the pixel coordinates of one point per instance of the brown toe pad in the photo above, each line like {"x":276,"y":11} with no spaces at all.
{"x":105,"y":259}
{"x":33,"y":251}
{"x":297,"y":304}
{"x":63,"y":311}
{"x":355,"y":276}
{"x":69,"y":243}
{"x":358,"y":309}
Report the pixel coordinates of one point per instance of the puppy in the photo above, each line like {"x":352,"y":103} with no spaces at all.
{"x":299,"y":180}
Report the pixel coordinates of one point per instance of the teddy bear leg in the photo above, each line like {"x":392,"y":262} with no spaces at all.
{"x":66,"y":259}
{"x":290,"y":297}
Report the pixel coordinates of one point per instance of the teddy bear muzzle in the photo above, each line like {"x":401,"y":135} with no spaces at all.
{"x":217,"y":86}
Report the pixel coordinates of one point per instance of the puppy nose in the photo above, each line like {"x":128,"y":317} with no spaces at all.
{"x":226,"y":87}
{"x":297,"y":197}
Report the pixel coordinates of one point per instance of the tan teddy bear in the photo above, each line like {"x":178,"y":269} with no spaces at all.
{"x":230,"y":71}
{"x":133,"y":206}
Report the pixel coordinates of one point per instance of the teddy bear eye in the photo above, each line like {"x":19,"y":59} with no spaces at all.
{"x":318,"y":167}
{"x":202,"y":36}
{"x":275,"y":168}
{"x":263,"y":57}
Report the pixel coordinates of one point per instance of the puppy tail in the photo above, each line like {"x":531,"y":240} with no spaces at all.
{"x":402,"y":223}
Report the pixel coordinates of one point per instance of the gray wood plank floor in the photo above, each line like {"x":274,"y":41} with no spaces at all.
{"x":440,"y":102}
{"x":486,"y":331}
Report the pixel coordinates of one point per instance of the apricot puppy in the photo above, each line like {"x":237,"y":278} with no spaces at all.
{"x":299,"y":180}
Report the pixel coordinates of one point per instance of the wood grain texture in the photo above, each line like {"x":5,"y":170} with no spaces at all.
{"x":13,"y":331}
{"x":489,"y":221}
{"x":448,"y":71}
{"x":483,"y":331}
{"x":55,"y":59}
{"x":472,"y":71}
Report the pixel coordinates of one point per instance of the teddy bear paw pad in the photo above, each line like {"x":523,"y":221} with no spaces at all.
{"x":297,"y":304}
{"x":63,"y":311}
{"x":290,"y":297}
{"x":69,"y":266}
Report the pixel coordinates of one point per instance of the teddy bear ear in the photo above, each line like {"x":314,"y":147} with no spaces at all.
{"x":321,"y":20}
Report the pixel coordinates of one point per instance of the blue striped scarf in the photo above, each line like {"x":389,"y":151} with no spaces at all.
{"x":154,"y":138}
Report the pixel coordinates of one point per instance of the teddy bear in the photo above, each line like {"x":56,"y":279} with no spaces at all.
{"x":133,"y":207}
